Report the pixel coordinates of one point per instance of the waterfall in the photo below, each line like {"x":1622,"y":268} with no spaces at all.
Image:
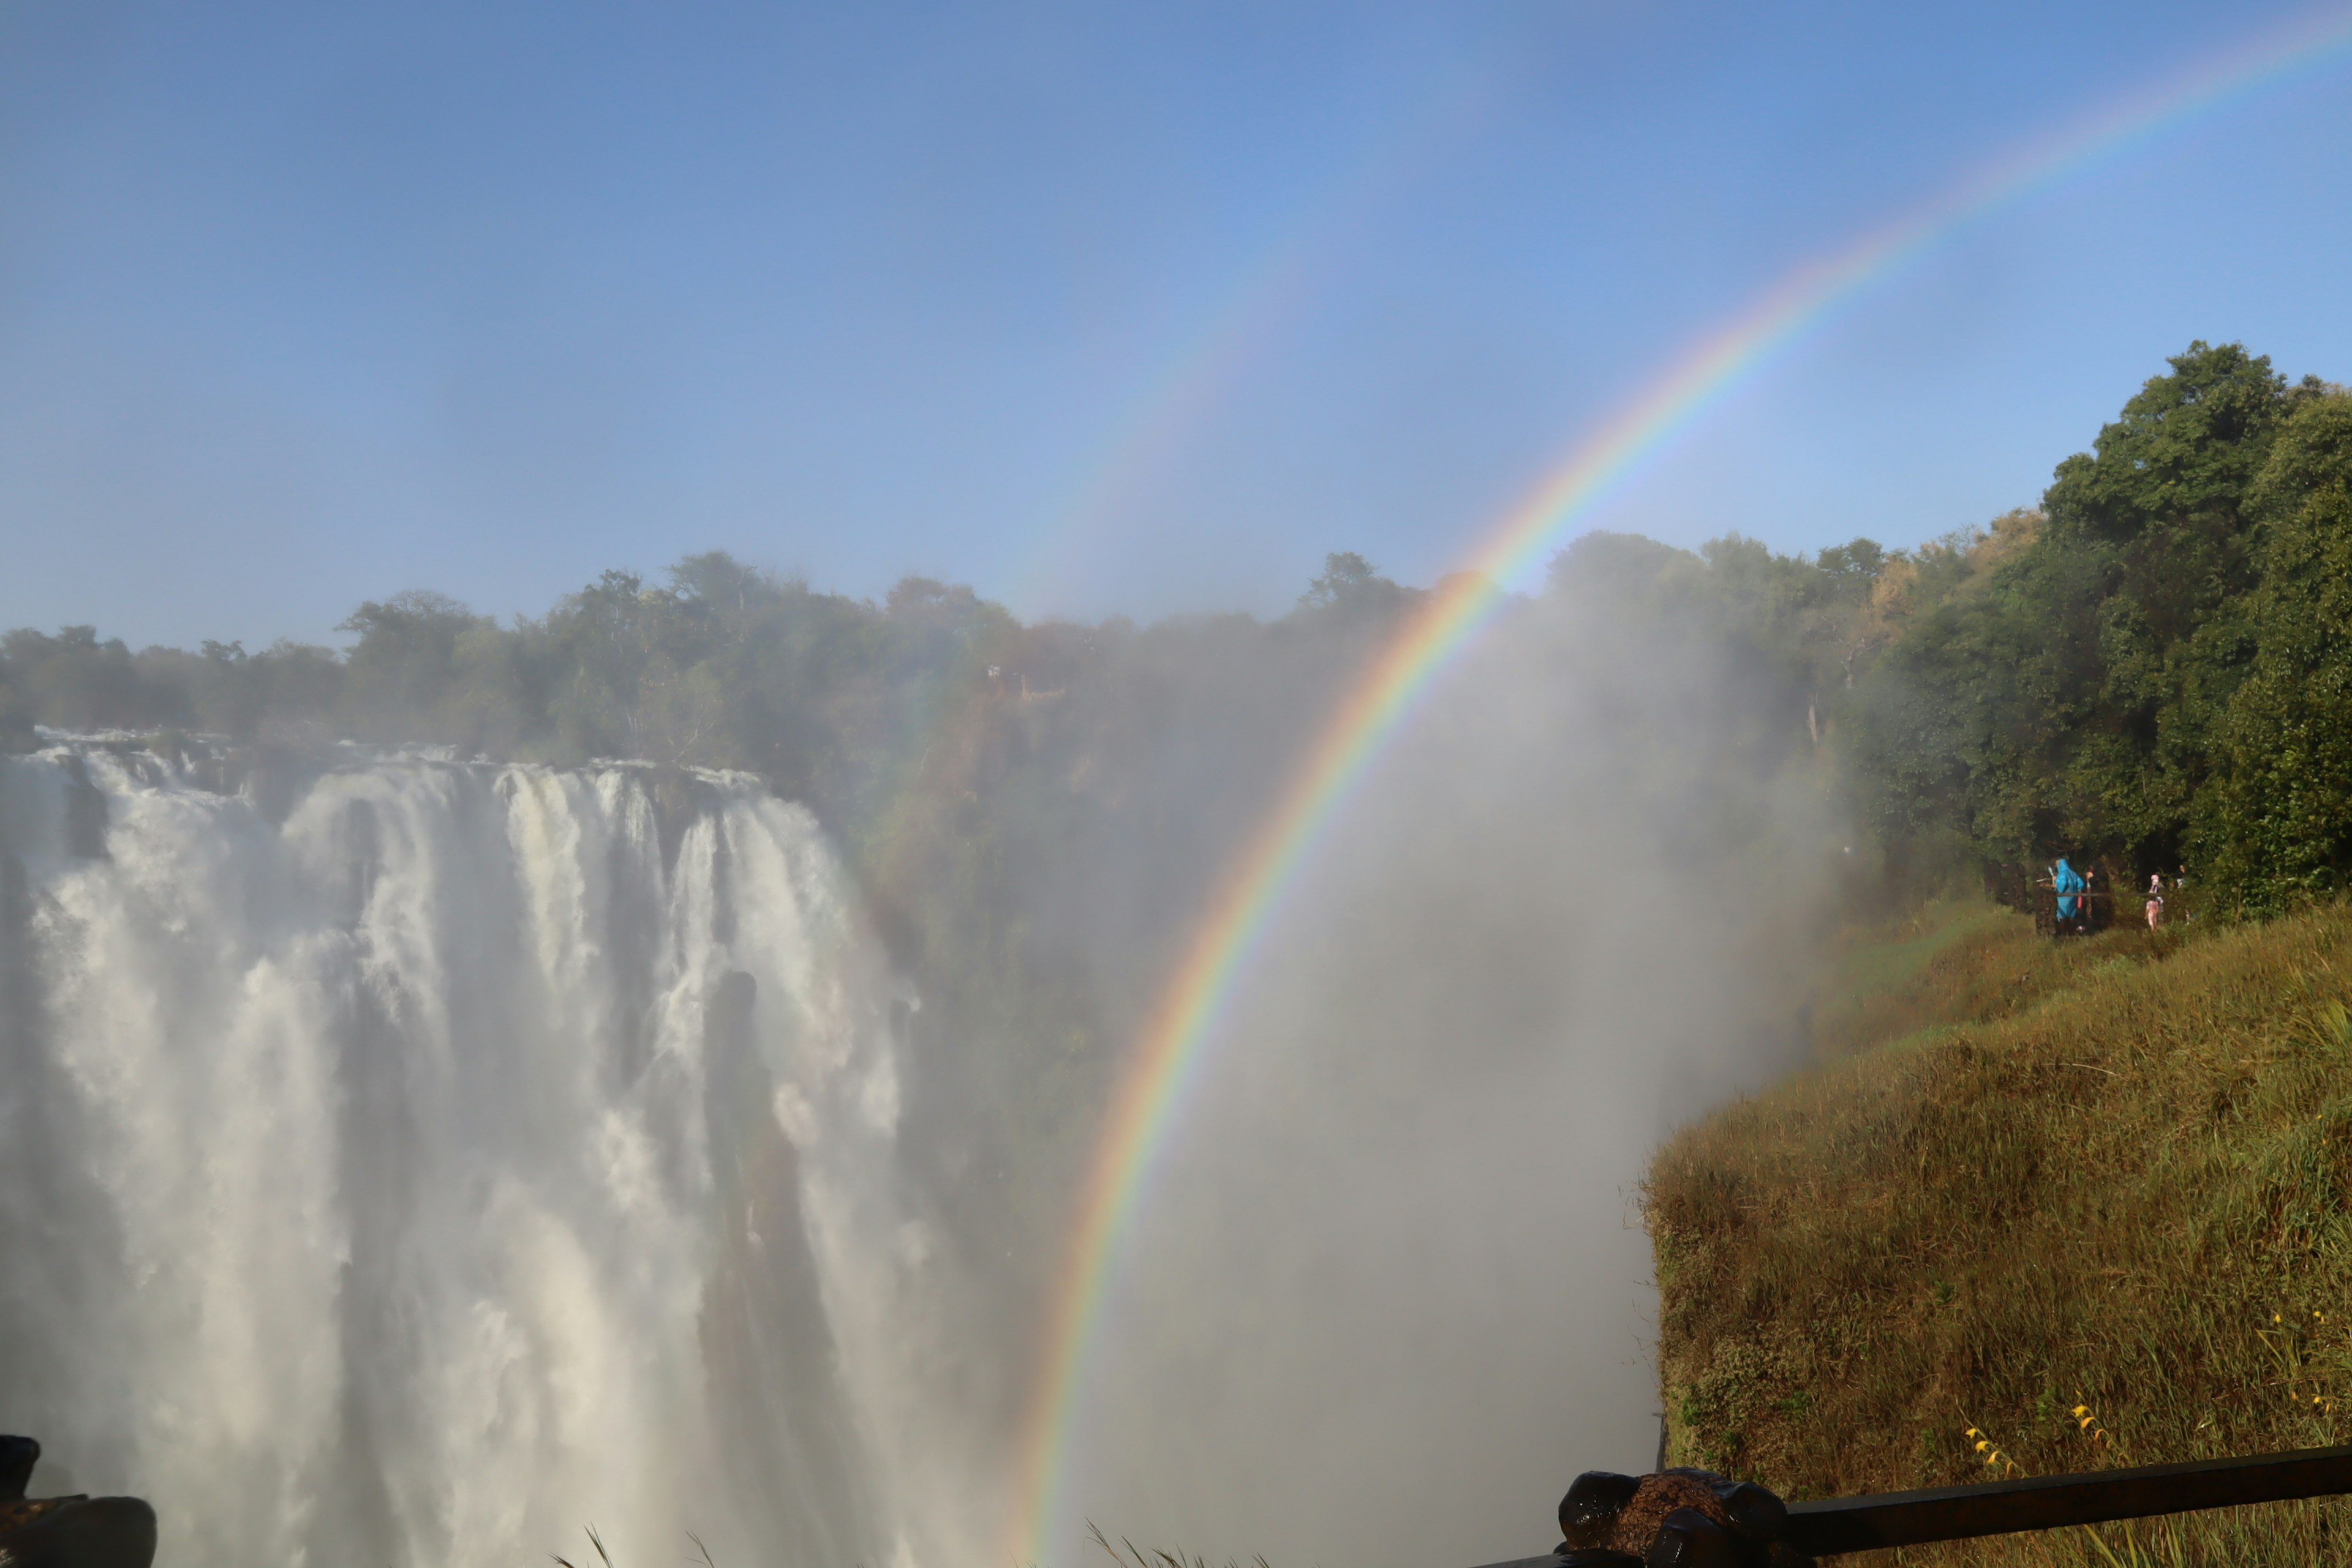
{"x":407,"y":1161}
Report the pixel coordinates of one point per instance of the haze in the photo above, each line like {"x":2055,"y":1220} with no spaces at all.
{"x":1101,"y":312}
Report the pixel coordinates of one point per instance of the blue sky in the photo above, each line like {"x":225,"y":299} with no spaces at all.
{"x":1112,"y":309}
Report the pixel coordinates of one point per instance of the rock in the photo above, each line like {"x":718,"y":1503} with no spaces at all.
{"x":67,"y":1532}
{"x":1672,"y":1519}
{"x":1588,"y":1514}
{"x":18,"y":1457}
{"x":1692,"y":1538}
{"x":85,"y":812}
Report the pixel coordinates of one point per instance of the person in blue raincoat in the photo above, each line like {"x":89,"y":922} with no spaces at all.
{"x":2069,"y":883}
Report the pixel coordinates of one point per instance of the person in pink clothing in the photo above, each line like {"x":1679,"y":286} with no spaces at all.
{"x":2154,"y":898}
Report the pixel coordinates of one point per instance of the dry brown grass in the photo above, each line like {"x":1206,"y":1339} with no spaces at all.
{"x":2113,"y":1173}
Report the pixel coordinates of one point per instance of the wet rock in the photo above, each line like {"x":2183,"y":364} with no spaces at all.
{"x":67,"y":1532}
{"x":84,"y":812}
{"x":1672,"y":1519}
{"x":1660,"y":1495}
{"x":1588,"y":1514}
{"x":679,"y":800}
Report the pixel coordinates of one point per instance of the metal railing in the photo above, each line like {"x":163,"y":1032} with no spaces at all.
{"x":1830,"y":1527}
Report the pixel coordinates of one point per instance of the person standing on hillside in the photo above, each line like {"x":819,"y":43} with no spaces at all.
{"x":2154,"y":898}
{"x":2069,"y":883}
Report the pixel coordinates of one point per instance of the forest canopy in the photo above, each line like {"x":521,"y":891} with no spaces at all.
{"x":2151,"y":668}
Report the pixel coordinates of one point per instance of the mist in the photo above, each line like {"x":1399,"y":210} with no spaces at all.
{"x":455,"y":1141}
{"x":1389,"y":1291}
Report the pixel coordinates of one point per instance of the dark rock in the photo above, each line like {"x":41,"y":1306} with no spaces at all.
{"x":1588,"y":1514}
{"x":67,"y":1532}
{"x":1680,"y":1518}
{"x":679,"y":800}
{"x":1661,"y":1494}
{"x":17,"y":1458}
{"x":78,"y":1533}
{"x":84,"y":812}
{"x":1756,"y":1514}
{"x":1689,"y":1539}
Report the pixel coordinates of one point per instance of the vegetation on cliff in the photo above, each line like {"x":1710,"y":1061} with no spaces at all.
{"x":2091,"y":1205}
{"x":2047,"y":1206}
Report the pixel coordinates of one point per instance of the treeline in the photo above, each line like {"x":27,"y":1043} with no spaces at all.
{"x":723,"y":665}
{"x":2152,"y":668}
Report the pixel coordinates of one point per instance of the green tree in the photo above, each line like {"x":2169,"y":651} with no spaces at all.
{"x":404,"y":667}
{"x":2276,"y":822}
{"x":75,"y":681}
{"x":2066,"y":700}
{"x":1350,"y":586}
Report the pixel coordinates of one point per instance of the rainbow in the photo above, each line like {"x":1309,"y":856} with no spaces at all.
{"x":1170,"y":1057}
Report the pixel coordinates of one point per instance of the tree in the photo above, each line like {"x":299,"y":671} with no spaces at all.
{"x":1350,"y":586}
{"x":403,"y":667}
{"x":74,"y":680}
{"x":2276,"y":823}
{"x":2062,"y":695}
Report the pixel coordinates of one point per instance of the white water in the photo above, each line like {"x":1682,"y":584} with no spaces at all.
{"x":451,"y":1158}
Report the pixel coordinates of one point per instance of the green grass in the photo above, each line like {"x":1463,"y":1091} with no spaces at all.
{"x":1955,"y":960}
{"x":2113,"y":1172}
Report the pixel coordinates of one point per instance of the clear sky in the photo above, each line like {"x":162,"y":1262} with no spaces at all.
{"x":1104,"y":308}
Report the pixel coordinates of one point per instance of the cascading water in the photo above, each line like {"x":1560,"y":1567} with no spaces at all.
{"x":415,"y":1162}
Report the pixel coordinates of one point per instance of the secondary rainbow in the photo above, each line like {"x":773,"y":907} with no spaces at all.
{"x":1205,"y":360}
{"x":1170,"y":1057}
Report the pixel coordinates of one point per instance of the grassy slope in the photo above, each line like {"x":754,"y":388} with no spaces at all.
{"x":2111,"y":1172}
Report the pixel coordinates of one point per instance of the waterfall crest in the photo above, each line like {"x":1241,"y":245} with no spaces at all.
{"x":420,"y":1160}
